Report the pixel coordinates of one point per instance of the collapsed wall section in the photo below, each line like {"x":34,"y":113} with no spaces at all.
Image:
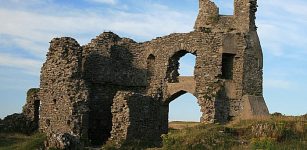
{"x":243,"y":19}
{"x":135,"y":119}
{"x":64,"y":95}
{"x":31,"y":108}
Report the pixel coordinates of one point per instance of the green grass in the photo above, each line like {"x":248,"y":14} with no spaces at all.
{"x":10,"y":141}
{"x":275,"y":133}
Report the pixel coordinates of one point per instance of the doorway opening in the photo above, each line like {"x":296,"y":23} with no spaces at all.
{"x":100,"y":116}
{"x":184,"y":111}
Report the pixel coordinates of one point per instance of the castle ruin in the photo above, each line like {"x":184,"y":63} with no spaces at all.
{"x":115,"y":89}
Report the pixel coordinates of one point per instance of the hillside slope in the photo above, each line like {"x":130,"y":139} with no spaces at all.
{"x":278,"y":132}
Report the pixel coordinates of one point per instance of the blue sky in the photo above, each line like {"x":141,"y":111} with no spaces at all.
{"x":27,"y":26}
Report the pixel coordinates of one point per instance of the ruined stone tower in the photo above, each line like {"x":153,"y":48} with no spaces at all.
{"x":115,"y":89}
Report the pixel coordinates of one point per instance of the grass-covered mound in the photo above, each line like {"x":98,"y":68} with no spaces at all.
{"x":278,"y":132}
{"x":14,"y":141}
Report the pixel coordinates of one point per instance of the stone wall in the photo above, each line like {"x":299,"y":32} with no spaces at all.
{"x":110,"y":59}
{"x":242,"y":20}
{"x":17,"y":123}
{"x":31,"y":108}
{"x":27,"y":121}
{"x":82,"y":87}
{"x":135,"y":119}
{"x":108,"y":67}
{"x":63,"y":94}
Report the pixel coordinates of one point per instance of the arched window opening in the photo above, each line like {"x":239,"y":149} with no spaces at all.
{"x":187,"y":65}
{"x":184,"y":108}
{"x":226,"y":7}
{"x":182,"y":63}
{"x":150,"y":67}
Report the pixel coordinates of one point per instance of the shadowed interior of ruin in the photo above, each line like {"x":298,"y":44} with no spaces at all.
{"x":227,"y":66}
{"x":102,"y":93}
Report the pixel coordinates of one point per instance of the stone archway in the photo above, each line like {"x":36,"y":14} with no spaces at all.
{"x":174,"y":99}
{"x":184,"y":85}
{"x":176,"y":84}
{"x":184,"y":108}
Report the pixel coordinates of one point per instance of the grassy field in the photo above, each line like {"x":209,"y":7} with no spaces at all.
{"x":272,"y":133}
{"x":11,"y":141}
{"x":178,"y":125}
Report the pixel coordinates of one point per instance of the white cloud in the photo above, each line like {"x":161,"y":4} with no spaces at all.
{"x":31,"y":30}
{"x":27,"y":26}
{"x":281,"y":27}
{"x":28,"y":65}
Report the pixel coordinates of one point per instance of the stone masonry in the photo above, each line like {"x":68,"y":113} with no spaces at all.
{"x":31,"y":108}
{"x":115,"y":89}
{"x":27,"y":121}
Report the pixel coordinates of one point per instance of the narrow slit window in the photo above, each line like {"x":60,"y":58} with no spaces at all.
{"x":227,"y":66}
{"x":150,"y":67}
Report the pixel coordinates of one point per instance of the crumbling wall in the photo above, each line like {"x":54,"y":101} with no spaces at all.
{"x":113,"y":60}
{"x":209,"y":49}
{"x":82,"y":88}
{"x":17,"y":123}
{"x":31,"y":108}
{"x":135,"y":119}
{"x":243,"y":19}
{"x":27,"y":121}
{"x":168,"y":51}
{"x":108,"y":67}
{"x":253,"y":66}
{"x":63,"y":95}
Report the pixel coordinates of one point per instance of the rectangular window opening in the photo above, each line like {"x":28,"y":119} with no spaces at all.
{"x":227,"y":66}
